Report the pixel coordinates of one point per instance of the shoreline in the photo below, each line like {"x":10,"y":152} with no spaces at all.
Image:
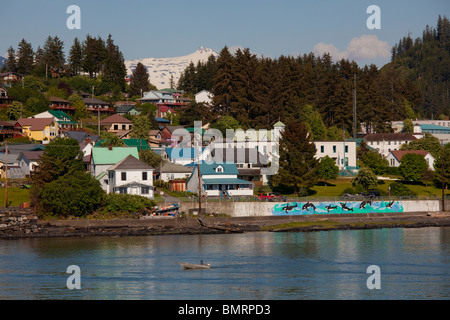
{"x":153,"y":226}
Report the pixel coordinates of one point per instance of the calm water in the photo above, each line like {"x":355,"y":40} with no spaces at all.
{"x":414,"y":263}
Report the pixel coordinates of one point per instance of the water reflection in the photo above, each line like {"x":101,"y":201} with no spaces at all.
{"x":318,"y":265}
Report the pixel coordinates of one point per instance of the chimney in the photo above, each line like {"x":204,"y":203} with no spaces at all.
{"x":110,"y":147}
{"x":88,"y":140}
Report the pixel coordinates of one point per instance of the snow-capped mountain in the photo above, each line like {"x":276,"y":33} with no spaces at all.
{"x":2,"y":61}
{"x":161,"y":69}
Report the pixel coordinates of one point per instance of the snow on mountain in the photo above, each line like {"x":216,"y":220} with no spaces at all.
{"x":161,"y":69}
{"x":2,"y":61}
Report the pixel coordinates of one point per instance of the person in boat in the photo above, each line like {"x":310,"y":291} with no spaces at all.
{"x":201,"y":262}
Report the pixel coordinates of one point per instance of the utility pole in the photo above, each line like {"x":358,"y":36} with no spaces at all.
{"x":442,"y":175}
{"x":199,"y":177}
{"x":6,"y":174}
{"x":354,"y":108}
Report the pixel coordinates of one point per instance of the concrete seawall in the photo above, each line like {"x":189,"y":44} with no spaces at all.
{"x":264,"y":209}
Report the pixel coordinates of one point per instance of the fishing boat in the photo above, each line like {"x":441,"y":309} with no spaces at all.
{"x":195,"y":266}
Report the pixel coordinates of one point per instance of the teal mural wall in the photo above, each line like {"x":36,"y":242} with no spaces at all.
{"x":306,"y":208}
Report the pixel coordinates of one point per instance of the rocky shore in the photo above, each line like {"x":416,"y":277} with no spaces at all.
{"x":16,"y":225}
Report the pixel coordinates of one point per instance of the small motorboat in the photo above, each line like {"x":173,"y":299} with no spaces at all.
{"x":195,"y":265}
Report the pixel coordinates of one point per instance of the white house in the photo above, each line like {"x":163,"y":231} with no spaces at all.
{"x":343,"y":152}
{"x":384,"y":143}
{"x":204,"y":96}
{"x":130,"y":176}
{"x":219,"y":180}
{"x":171,"y":171}
{"x":28,"y":160}
{"x":103,"y":158}
{"x":395,"y":157}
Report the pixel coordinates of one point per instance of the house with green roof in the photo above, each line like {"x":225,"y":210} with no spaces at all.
{"x":140,"y":144}
{"x":219,"y":180}
{"x":104,"y":158}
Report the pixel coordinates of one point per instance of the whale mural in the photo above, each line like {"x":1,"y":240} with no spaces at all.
{"x":308,"y":208}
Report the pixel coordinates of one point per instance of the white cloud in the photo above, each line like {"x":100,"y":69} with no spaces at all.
{"x":364,"y":47}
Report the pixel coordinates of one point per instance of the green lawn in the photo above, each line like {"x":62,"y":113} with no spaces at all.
{"x":16,"y":196}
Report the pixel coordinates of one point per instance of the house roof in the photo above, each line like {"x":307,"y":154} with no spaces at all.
{"x":31,"y":155}
{"x":60,"y":114}
{"x":57,"y":99}
{"x":161,"y":120}
{"x":210,"y":169}
{"x":398,"y":154}
{"x":94,"y":101}
{"x":115,"y":119}
{"x":130,"y":163}
{"x":81,"y":136}
{"x":225,"y":181}
{"x":389,"y":137}
{"x":35,"y":124}
{"x":170,"y":167}
{"x":141,"y":144}
{"x":112,"y":155}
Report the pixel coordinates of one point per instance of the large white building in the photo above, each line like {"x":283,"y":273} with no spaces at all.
{"x":343,"y":152}
{"x":384,"y":143}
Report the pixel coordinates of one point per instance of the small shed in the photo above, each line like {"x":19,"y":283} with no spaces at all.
{"x":177,"y":185}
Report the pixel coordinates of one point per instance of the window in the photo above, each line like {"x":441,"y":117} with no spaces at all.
{"x":116,"y":127}
{"x":334,"y":149}
{"x":322,"y":149}
{"x":145,"y":190}
{"x":124,"y":127}
{"x":124,"y":176}
{"x":123,"y":190}
{"x":219,"y":169}
{"x":144,"y":175}
{"x":346,"y":149}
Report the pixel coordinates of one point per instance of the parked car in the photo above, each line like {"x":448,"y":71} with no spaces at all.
{"x":273,"y":196}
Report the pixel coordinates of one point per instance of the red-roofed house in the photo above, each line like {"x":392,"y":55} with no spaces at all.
{"x":395,"y":157}
{"x":165,"y":111}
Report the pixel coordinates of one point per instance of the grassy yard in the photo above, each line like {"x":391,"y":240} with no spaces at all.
{"x":16,"y":196}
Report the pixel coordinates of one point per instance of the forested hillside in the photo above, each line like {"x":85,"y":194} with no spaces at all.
{"x":426,"y":62}
{"x":257,"y":92}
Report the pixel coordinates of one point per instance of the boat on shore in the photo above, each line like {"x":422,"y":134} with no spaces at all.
{"x":195,"y":265}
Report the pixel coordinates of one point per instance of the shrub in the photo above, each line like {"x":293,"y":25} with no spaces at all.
{"x":399,"y":189}
{"x":115,"y":203}
{"x":76,"y":194}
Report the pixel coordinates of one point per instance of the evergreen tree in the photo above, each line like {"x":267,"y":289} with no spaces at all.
{"x":297,"y":164}
{"x":114,"y":70}
{"x":25,"y":58}
{"x":76,"y":57}
{"x":223,"y":90}
{"x":54,"y":54}
{"x":11,"y":63}
{"x":139,"y":82}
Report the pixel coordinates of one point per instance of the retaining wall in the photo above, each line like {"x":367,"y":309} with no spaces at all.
{"x":16,"y":219}
{"x":258,"y":209}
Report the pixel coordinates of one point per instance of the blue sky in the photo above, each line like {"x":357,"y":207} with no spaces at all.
{"x":146,"y":28}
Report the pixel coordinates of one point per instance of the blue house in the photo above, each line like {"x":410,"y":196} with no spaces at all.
{"x":219,"y":179}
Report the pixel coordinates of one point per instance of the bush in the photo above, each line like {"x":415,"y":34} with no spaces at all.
{"x":399,"y":189}
{"x":130,"y":203}
{"x":76,"y":194}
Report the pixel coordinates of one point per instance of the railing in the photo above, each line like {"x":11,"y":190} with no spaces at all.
{"x":332,"y":199}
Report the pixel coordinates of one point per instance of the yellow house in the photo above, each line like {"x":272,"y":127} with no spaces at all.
{"x":39,"y":129}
